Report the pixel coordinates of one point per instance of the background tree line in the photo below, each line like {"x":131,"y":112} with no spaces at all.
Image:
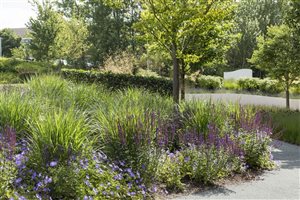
{"x":171,"y":37}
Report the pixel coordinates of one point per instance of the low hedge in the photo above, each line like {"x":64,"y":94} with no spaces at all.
{"x":249,"y":84}
{"x":263,"y":85}
{"x":209,"y":82}
{"x":270,"y":86}
{"x":119,"y":81}
{"x":20,"y":70}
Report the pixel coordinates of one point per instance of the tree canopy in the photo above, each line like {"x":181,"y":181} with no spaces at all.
{"x":10,"y":40}
{"x":186,"y":29}
{"x":279,"y":55}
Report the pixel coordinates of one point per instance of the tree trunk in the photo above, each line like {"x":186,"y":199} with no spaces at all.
{"x":182,"y":82}
{"x":287,"y":95}
{"x":175,"y":73}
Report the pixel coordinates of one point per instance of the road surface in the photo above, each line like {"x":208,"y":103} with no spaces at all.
{"x":245,"y":99}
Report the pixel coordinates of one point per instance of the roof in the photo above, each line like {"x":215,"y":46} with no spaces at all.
{"x":21,"y":32}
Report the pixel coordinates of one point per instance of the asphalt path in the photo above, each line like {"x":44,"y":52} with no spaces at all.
{"x":282,"y":183}
{"x":245,"y":99}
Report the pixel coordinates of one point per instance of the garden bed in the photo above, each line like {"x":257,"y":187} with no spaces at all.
{"x":63,"y":140}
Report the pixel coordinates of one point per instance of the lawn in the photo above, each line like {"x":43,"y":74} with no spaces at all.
{"x":63,"y":140}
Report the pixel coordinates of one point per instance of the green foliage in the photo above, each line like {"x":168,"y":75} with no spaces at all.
{"x":8,"y":172}
{"x":8,"y":77}
{"x":120,"y":81}
{"x":10,"y":40}
{"x":270,"y":86}
{"x":170,"y":171}
{"x":16,"y":71}
{"x":65,"y":125}
{"x":163,"y":23}
{"x":58,"y":135}
{"x":252,"y":18}
{"x":147,"y":73}
{"x":198,"y":115}
{"x":71,"y":41}
{"x":230,"y":85}
{"x":43,"y":31}
{"x":279,"y":55}
{"x":257,"y":154}
{"x":249,"y":84}
{"x":209,"y":164}
{"x":54,"y":37}
{"x":15,"y":109}
{"x":209,"y":82}
{"x":285,"y":124}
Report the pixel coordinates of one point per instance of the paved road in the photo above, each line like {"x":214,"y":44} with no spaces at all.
{"x":247,"y":99}
{"x":283,"y":183}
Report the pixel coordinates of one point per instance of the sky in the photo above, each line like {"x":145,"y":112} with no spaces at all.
{"x":15,"y":13}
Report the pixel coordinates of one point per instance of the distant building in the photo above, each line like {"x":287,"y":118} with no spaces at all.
{"x":21,"y":32}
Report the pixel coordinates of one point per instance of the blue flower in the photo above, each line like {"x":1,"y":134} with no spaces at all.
{"x":87,"y":198}
{"x":48,"y":180}
{"x":22,"y":198}
{"x":38,"y":196}
{"x":187,"y":159}
{"x":118,"y":177}
{"x":18,"y":180}
{"x":87,"y":183}
{"x":95,"y":191}
{"x":53,"y":164}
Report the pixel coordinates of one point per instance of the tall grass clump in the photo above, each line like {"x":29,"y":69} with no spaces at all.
{"x":15,"y":108}
{"x":57,"y":135}
{"x":199,"y":115}
{"x":52,"y":89}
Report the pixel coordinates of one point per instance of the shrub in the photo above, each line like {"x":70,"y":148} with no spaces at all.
{"x":209,"y":82}
{"x":170,"y":170}
{"x":15,"y":71}
{"x":270,"y":86}
{"x":249,"y":84}
{"x":230,"y":85}
{"x":120,"y":81}
{"x":296,"y":89}
{"x":27,"y":69}
{"x":120,"y":63}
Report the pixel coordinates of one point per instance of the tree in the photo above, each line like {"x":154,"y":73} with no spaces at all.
{"x":109,"y":24}
{"x":10,"y":40}
{"x":71,"y":42}
{"x":55,"y":37}
{"x":252,"y":18}
{"x":293,"y":15}
{"x":179,"y":26}
{"x":279,"y":55}
{"x":44,"y":30}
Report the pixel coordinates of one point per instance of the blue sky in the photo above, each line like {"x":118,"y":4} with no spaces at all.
{"x":15,"y":13}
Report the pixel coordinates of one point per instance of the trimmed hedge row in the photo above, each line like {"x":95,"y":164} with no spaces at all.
{"x":119,"y":81}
